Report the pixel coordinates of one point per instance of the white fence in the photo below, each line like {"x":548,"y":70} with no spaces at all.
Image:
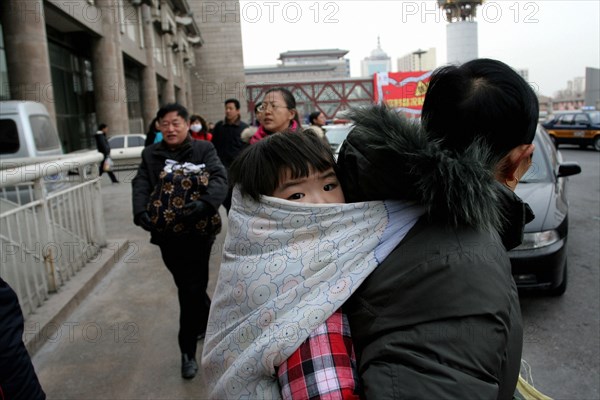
{"x":51,"y":222}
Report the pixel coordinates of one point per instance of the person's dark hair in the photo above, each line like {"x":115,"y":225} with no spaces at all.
{"x":178,"y":108}
{"x":259,"y":169}
{"x":290,"y":102}
{"x":235,"y":102}
{"x":102,"y":126}
{"x":482,"y":99}
{"x":196,"y":117}
{"x":313,"y":115}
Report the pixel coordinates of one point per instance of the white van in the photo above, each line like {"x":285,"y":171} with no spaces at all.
{"x":26,"y":131}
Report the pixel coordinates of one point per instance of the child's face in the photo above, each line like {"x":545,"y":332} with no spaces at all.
{"x":318,"y":187}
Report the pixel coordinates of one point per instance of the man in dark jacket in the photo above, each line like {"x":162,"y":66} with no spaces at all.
{"x":186,"y":254}
{"x":104,"y":148}
{"x":18,"y":380}
{"x":227,"y":138}
{"x":440,"y":316}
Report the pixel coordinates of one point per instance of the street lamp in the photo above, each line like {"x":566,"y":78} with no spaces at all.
{"x":419,"y":53}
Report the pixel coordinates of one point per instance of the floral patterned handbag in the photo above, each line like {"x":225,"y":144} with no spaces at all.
{"x":178,"y":185}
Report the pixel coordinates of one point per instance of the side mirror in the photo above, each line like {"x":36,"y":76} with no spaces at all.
{"x":568,"y":169}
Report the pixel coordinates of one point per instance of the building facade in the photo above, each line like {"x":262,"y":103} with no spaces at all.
{"x":302,"y":66}
{"x":419,"y":60}
{"x":99,"y":61}
{"x":218,"y":73}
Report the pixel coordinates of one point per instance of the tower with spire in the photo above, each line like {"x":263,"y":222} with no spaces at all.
{"x":378,"y":61}
{"x":461,"y":31}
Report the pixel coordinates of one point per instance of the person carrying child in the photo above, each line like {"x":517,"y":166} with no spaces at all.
{"x":294,"y":253}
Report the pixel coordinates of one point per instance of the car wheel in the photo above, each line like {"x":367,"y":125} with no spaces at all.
{"x":560,"y":289}
{"x":597,"y":143}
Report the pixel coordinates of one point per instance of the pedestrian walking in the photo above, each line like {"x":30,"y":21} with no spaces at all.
{"x":176,"y":195}
{"x":104,"y":148}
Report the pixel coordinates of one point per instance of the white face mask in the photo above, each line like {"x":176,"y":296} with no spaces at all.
{"x":196,"y":127}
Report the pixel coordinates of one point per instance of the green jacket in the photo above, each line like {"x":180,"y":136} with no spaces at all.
{"x":440,"y":317}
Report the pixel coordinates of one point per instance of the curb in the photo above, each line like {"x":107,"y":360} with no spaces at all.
{"x":47,"y":319}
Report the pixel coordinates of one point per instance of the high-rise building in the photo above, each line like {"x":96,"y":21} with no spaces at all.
{"x":378,"y":61}
{"x":419,"y":60}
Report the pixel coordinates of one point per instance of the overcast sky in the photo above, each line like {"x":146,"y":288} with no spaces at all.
{"x":555,"y":39}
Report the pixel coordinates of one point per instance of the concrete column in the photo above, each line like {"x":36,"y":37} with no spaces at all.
{"x":169,"y":89}
{"x":27,"y":56}
{"x":109,"y":78}
{"x":149,"y":87}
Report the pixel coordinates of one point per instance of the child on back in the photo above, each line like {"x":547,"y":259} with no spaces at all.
{"x":293,"y":255}
{"x":299,"y":167}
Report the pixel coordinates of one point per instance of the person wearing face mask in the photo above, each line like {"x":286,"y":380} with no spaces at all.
{"x":198,"y":129}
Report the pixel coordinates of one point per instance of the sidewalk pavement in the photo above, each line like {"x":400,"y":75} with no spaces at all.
{"x":111,"y":332}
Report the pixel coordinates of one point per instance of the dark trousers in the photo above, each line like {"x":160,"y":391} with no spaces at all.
{"x":111,"y":174}
{"x":186,"y":257}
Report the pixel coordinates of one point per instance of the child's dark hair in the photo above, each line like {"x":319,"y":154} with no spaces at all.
{"x":259,"y":169}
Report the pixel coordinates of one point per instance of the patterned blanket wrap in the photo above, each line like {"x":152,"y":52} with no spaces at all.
{"x":286,"y":268}
{"x":178,"y":185}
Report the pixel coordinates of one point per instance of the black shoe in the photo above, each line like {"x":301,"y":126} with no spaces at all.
{"x":189,"y":367}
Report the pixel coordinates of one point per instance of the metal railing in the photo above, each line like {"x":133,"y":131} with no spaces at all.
{"x":51,"y":222}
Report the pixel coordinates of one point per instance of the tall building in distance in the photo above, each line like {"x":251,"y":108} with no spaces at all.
{"x":378,"y":61}
{"x":461,"y":31}
{"x":418,"y":60}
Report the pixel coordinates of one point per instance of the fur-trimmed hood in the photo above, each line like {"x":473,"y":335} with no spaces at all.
{"x":387,"y":156}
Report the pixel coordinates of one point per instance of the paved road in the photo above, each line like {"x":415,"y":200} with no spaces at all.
{"x":562,"y":334}
{"x":121,"y":342}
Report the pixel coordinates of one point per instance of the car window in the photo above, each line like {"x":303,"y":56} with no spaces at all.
{"x":540,"y":170}
{"x":594,"y":116}
{"x":9,"y":140}
{"x":44,"y":134}
{"x":336,"y":136}
{"x":566,"y":119}
{"x":116,"y":142}
{"x":581,"y":119}
{"x":135,"y":141}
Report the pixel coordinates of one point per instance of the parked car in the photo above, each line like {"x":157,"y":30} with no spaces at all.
{"x":540,"y":262}
{"x":575,"y":127}
{"x":27,"y":137}
{"x":336,"y":134}
{"x":126,"y":150}
{"x":27,"y":131}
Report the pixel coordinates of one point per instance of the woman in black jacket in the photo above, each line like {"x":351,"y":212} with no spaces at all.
{"x":440,"y":317}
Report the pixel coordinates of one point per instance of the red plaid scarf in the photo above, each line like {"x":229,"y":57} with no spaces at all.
{"x":324,"y":366}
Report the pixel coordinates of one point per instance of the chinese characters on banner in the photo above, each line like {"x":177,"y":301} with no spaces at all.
{"x":402,"y":91}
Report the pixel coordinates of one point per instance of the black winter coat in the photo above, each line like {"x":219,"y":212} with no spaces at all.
{"x":102,"y":144}
{"x":193,"y":151}
{"x":18,"y":380}
{"x":440,"y":317}
{"x":228,"y":141}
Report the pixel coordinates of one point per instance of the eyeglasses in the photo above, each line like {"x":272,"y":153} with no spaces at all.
{"x":166,"y":124}
{"x":266,"y":105}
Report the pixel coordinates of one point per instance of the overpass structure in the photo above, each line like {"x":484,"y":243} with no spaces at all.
{"x":328,"y":96}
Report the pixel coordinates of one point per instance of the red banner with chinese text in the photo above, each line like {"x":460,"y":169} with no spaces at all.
{"x":402,"y":91}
